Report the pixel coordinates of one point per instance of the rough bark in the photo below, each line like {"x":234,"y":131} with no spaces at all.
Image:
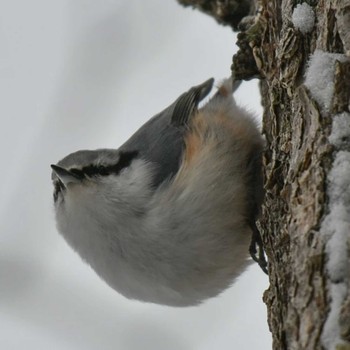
{"x":228,"y":12}
{"x":297,"y":164}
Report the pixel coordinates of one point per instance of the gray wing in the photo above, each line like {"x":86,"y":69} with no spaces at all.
{"x":161,"y":140}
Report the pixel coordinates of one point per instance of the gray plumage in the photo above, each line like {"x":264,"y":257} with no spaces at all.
{"x":167,"y":218}
{"x":161,"y":140}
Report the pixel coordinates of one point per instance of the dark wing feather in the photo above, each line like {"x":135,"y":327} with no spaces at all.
{"x":161,"y":140}
{"x":186,"y":105}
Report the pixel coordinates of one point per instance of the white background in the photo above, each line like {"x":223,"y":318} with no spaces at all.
{"x":86,"y":74}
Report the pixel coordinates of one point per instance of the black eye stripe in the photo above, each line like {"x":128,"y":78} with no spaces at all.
{"x":124,"y":161}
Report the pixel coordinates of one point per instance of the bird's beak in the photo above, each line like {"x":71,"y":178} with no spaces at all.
{"x":65,"y":176}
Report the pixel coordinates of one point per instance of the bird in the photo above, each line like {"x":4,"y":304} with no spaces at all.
{"x":170,"y":216}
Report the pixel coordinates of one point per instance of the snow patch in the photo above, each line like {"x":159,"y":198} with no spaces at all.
{"x":335,"y":229}
{"x":331,"y":332}
{"x":319,"y":77}
{"x":340,"y":135}
{"x":303,"y":17}
{"x":336,"y":225}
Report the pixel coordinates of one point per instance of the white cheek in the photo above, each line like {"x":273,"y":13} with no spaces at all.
{"x":72,"y":214}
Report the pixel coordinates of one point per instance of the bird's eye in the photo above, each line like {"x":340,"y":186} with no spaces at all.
{"x":102,"y":170}
{"x":77,"y":172}
{"x":94,"y":170}
{"x":124,"y":161}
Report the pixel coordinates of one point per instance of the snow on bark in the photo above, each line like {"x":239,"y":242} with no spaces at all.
{"x":319,"y":77}
{"x":335,"y":229}
{"x":303,"y":17}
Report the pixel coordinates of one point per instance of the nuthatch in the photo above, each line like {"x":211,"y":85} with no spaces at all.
{"x":167,"y":218}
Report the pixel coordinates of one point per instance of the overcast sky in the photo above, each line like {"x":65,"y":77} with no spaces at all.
{"x":86,"y":74}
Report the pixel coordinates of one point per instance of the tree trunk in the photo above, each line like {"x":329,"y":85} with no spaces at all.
{"x":305,"y":84}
